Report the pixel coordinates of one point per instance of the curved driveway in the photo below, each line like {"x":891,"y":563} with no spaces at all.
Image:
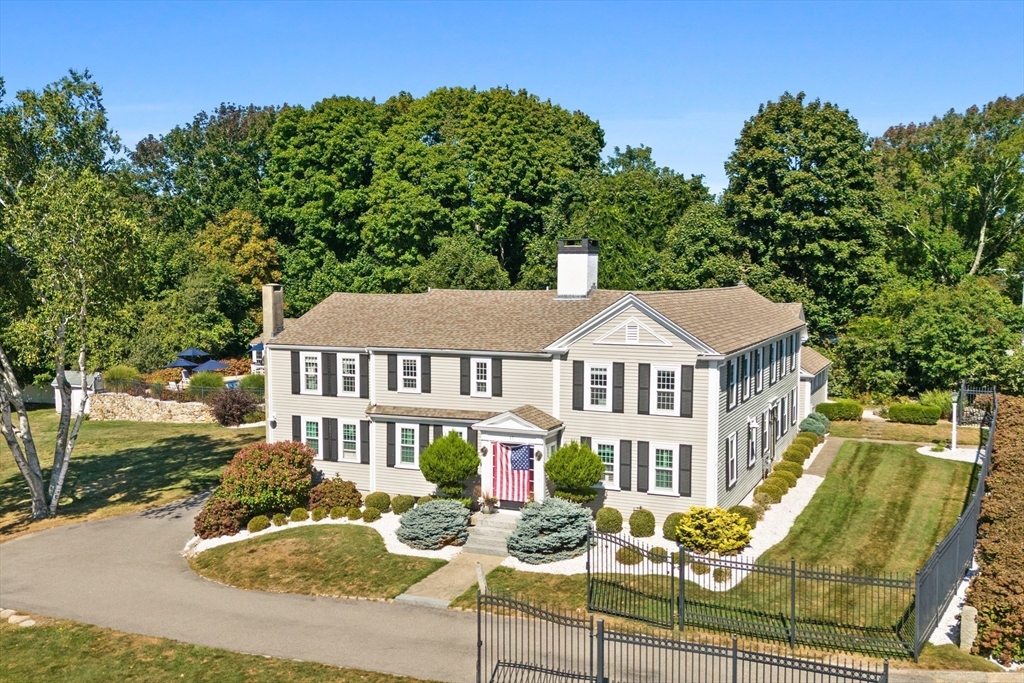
{"x":126,"y":573}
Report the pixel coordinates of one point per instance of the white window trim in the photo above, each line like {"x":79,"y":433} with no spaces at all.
{"x":784,"y":415}
{"x":759,"y":374}
{"x":653,"y":408}
{"x":765,"y":443}
{"x":752,"y":431}
{"x":796,"y":351}
{"x":732,"y":369}
{"x":401,"y":376}
{"x":319,"y":374}
{"x":771,"y":364}
{"x":462,"y":431}
{"x":342,"y":357}
{"x":607,"y":407}
{"x":473,"y":380}
{"x":792,"y":407}
{"x":731,"y":461}
{"x":746,"y":369}
{"x":614,"y":484}
{"x":415,"y":464}
{"x":341,"y":442}
{"x":652,"y":470}
{"x":320,"y":435}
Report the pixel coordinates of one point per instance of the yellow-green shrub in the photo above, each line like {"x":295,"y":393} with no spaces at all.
{"x":704,"y":530}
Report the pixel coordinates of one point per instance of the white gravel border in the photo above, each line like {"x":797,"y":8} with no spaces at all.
{"x":386,"y":526}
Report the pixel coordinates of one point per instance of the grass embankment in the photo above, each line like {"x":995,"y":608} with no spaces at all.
{"x":967,"y":437}
{"x":118,"y":467}
{"x":334,"y":560}
{"x":57,"y":650}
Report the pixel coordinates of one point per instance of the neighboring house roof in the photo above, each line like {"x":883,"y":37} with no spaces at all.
{"x":533,"y":415}
{"x":526,"y":321}
{"x":813,"y":361}
{"x":74,"y":378}
{"x":259,"y":339}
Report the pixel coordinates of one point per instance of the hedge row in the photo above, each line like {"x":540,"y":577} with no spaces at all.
{"x":997,"y":590}
{"x":841,"y":410}
{"x":914,"y":413}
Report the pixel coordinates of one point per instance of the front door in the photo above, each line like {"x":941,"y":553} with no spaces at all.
{"x":512,"y":474}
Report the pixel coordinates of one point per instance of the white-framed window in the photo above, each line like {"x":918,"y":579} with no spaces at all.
{"x":599,"y":379}
{"x":311,"y":436}
{"x":349,"y":441}
{"x":665,"y":397}
{"x":783,"y":416}
{"x":632,"y":333}
{"x":310,"y":373}
{"x":745,"y":375}
{"x":771,"y":364}
{"x":481,"y":379}
{"x":731,"y":470}
{"x":795,"y":352}
{"x":766,"y":423}
{"x":758,"y":371}
{"x":779,"y":360}
{"x":409,"y":374}
{"x":730,"y":371}
{"x":408,"y":446}
{"x":461,"y":431}
{"x":751,"y":444}
{"x":608,"y":451}
{"x":663,"y":469}
{"x":792,"y":407}
{"x":348,"y":370}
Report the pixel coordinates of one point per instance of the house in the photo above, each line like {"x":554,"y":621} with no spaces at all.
{"x":814,"y":369}
{"x":94,"y":383}
{"x":687,"y":396}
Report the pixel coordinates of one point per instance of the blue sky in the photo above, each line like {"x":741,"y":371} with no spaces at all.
{"x":680,"y":77}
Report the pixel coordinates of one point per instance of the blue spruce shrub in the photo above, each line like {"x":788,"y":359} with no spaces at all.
{"x":810,"y":424}
{"x":551,"y":531}
{"x":434,"y":524}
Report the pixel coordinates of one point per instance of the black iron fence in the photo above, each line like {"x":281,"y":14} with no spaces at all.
{"x":525,"y":642}
{"x":836,"y":609}
{"x":172,"y":391}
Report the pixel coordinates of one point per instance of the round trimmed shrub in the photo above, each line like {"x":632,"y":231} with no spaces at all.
{"x":794,"y":468}
{"x":336,"y":492}
{"x":809,"y":424}
{"x":670,"y":526}
{"x":264,"y":477}
{"x":337,"y":512}
{"x":279,"y":519}
{"x":448,"y":462}
{"x":434,"y":525}
{"x":810,"y":436}
{"x":575,"y":469}
{"x":371,"y":514}
{"x":319,"y":513}
{"x":781,"y":483}
{"x":749,"y":514}
{"x":788,"y":476}
{"x":657,"y":555}
{"x":770,"y":490}
{"x":230,"y":407}
{"x":641,"y":523}
{"x":550,"y":531}
{"x":823,"y":419}
{"x":258,"y":523}
{"x":379,"y":501}
{"x":220,"y":516}
{"x":713,"y":529}
{"x":299,"y":515}
{"x":424,"y":499}
{"x":758,"y":510}
{"x":700,"y":568}
{"x":763,"y":499}
{"x":809,"y":440}
{"x":841,"y":410}
{"x":402,"y":504}
{"x":629,"y":555}
{"x":799,"y":449}
{"x":609,"y":520}
{"x":914,"y":413}
{"x":354,"y":513}
{"x":722,"y":574}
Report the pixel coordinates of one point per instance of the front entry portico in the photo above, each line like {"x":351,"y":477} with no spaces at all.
{"x":500,"y":436}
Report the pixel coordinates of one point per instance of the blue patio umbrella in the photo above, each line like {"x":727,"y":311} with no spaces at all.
{"x":210,"y":366}
{"x":193,"y":353}
{"x":181,"y":363}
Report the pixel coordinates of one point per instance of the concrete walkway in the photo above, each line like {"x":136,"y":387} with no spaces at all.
{"x":126,"y":573}
{"x":450,"y":581}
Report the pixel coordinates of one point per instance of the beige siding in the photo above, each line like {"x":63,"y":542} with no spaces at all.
{"x":630,"y":425}
{"x":819,"y":396}
{"x":395,"y":480}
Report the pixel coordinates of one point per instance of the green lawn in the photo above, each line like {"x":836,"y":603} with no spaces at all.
{"x":332,"y":559}
{"x":894,"y":431}
{"x":119,"y":467}
{"x":56,"y":650}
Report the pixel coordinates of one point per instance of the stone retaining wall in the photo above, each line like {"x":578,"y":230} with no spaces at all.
{"x":138,"y":409}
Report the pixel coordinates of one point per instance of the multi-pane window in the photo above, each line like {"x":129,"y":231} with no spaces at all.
{"x":783,"y":416}
{"x":410,"y":373}
{"x":664,"y":469}
{"x":348,"y":442}
{"x":745,"y":375}
{"x":751,"y":445}
{"x":481,"y":377}
{"x":758,"y":371}
{"x":462,"y":431}
{"x":311,"y":372}
{"x":665,"y":390}
{"x":606,"y":451}
{"x":730,"y":460}
{"x":793,"y":353}
{"x":778,"y":359}
{"x":792,"y":407}
{"x":597,"y":377}
{"x":313,"y":436}
{"x":771,"y":364}
{"x":348,"y":374}
{"x":766,"y":423}
{"x":730,"y":371}
{"x":407,"y":445}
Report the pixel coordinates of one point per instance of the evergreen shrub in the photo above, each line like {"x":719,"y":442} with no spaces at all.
{"x":550,"y":531}
{"x":813,"y":426}
{"x":299,"y":515}
{"x":800,"y":449}
{"x":354,"y":513}
{"x":258,"y":523}
{"x":318,"y":514}
{"x":657,"y":555}
{"x":336,"y":492}
{"x":379,"y":500}
{"x":722,"y":574}
{"x":337,"y":512}
{"x":434,"y":525}
{"x":371,"y":514}
{"x":628,"y":555}
{"x":402,"y":504}
{"x":793,"y":468}
{"x":914,"y":413}
{"x":841,"y":410}
{"x":670,"y":525}
{"x":772,"y":492}
{"x":609,"y":520}
{"x":746,"y":513}
{"x":641,"y":523}
{"x":279,"y":519}
{"x":779,"y":481}
{"x":448,"y":462}
{"x":822,"y":418}
{"x":575,"y":469}
{"x":700,"y":568}
{"x":424,"y":499}
{"x":763,"y":499}
{"x":789,"y":477}
{"x":713,"y":529}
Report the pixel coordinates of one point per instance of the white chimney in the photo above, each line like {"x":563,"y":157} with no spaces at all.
{"x":273,"y":311}
{"x":577,"y":268}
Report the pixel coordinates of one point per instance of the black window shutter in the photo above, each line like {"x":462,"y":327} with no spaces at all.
{"x":364,"y":442}
{"x":686,"y":391}
{"x":643,"y":394}
{"x":364,"y":375}
{"x":425,"y":374}
{"x":424,"y":437}
{"x":391,"y":444}
{"x":585,"y":441}
{"x":685,"y":470}
{"x":625,"y":465}
{"x":618,"y":386}
{"x":392,"y":372}
{"x":471,"y":433}
{"x":577,"y":385}
{"x":464,"y":376}
{"x":296,"y":428}
{"x":641,"y":465}
{"x":331,"y":439}
{"x":296,"y":376}
{"x":438,"y":432}
{"x":330,"y":387}
{"x":496,"y":377}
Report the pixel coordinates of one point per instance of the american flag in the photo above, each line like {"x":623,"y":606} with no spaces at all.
{"x":513,"y":472}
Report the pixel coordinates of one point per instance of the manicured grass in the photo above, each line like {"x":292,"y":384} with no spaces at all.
{"x":119,"y":467}
{"x":947,"y":658}
{"x":336,"y":560}
{"x":552,"y":590}
{"x":894,"y":431}
{"x":57,"y":650}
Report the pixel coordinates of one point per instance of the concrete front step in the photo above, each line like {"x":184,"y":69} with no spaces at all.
{"x":490,"y":533}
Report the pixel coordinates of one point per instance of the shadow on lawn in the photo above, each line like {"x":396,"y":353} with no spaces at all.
{"x":178,"y":466}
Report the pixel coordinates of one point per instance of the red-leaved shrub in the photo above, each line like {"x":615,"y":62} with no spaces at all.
{"x":335,"y":492}
{"x":231,"y":406}
{"x":266,"y":478}
{"x":220,"y":516}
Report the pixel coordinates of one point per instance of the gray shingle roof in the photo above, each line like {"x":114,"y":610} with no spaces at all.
{"x":813,"y":361}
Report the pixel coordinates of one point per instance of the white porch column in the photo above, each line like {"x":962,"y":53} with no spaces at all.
{"x":487,"y":468}
{"x":538,"y":473}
